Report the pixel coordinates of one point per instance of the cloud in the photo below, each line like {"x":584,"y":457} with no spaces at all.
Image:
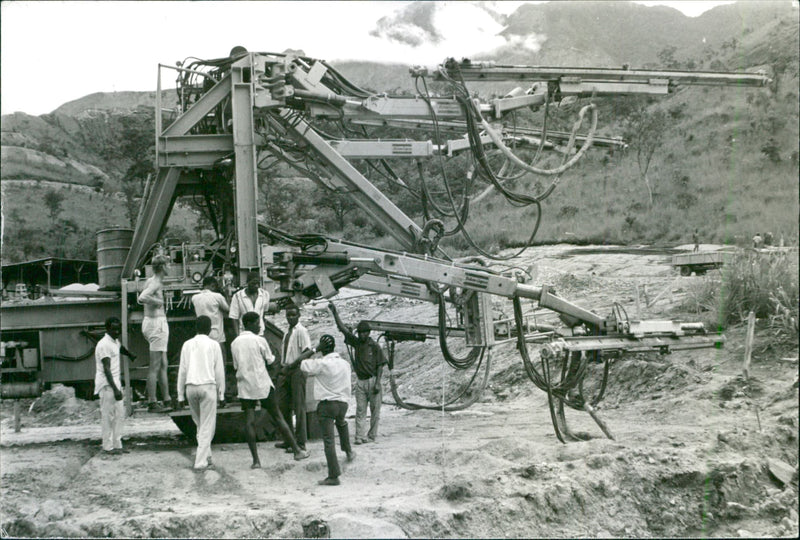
{"x":453,"y":28}
{"x":413,"y":25}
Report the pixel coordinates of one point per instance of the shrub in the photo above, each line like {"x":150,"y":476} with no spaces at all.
{"x":771,"y":150}
{"x":765,"y":283}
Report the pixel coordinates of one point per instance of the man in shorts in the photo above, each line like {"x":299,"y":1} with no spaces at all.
{"x":156,"y":332}
{"x":251,"y":355}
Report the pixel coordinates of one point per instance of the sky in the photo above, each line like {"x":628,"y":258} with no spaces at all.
{"x":54,"y":52}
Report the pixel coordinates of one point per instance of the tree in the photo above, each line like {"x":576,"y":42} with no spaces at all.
{"x":54,"y":200}
{"x":339,"y":204}
{"x":779,"y":66}
{"x":67,"y":228}
{"x":278,"y":198}
{"x":667,"y":57}
{"x":771,"y":150}
{"x":132,"y":192}
{"x":645,"y":131}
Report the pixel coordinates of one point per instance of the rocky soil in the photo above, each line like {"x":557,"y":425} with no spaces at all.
{"x":698,"y":451}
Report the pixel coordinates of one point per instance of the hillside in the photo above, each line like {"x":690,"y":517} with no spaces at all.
{"x":116,"y":101}
{"x":725,"y":154}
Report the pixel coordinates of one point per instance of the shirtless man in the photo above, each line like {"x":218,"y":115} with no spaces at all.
{"x":156,"y":331}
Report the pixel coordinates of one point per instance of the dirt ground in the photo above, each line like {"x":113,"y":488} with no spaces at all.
{"x":698,"y":452}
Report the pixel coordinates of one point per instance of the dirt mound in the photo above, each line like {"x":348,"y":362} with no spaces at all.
{"x":641,"y":377}
{"x":59,"y":407}
{"x":739,"y":386}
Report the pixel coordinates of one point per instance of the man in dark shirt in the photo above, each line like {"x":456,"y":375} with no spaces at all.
{"x":368,"y":362}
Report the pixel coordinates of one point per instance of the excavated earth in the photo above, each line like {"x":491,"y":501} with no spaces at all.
{"x":698,"y":450}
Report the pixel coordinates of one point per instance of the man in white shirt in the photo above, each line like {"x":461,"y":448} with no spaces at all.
{"x":292,"y":382}
{"x":201,"y":381}
{"x":108,"y":386}
{"x":212,"y":304}
{"x":251,"y":354}
{"x":251,"y":298}
{"x":332,"y":387}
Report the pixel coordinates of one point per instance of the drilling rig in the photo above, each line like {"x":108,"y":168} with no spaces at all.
{"x":236,"y":115}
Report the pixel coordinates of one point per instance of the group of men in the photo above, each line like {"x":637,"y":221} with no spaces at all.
{"x":765,"y":240}
{"x":201,"y":374}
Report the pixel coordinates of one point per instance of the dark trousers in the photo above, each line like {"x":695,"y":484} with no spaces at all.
{"x":292,"y":397}
{"x":270,"y":406}
{"x":332,"y":413}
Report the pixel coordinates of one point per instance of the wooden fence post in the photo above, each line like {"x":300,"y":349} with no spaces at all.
{"x":748,"y":343}
{"x":17,"y":419}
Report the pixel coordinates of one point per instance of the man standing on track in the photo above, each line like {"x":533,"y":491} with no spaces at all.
{"x":212,"y":304}
{"x":251,"y":354}
{"x":156,"y":332}
{"x":368,"y":362}
{"x":201,"y":381}
{"x":251,"y":298}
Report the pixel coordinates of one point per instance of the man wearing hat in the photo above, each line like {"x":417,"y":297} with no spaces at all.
{"x":368,"y":362}
{"x":332,"y":387}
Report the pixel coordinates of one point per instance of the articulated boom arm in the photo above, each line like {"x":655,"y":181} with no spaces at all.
{"x":592,"y":81}
{"x":303,"y":276}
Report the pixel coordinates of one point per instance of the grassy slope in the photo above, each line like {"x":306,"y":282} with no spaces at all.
{"x":24,"y":208}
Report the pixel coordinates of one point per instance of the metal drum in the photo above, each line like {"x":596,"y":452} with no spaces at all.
{"x":18,"y":390}
{"x":113,"y":246}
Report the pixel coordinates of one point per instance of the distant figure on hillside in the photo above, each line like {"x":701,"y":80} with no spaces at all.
{"x":758,"y":241}
{"x":768,"y":239}
{"x":156,"y":332}
{"x":696,"y":240}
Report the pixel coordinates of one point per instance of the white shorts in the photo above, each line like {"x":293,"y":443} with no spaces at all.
{"x":156,"y":332}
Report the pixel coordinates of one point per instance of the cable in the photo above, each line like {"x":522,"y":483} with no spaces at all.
{"x":458,"y":363}
{"x":449,"y":404}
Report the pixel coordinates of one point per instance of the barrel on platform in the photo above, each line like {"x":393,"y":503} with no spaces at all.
{"x":113,"y":246}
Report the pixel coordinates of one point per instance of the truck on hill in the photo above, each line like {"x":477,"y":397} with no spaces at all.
{"x":700,"y":262}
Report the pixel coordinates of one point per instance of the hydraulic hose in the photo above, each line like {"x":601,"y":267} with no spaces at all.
{"x":498,"y":141}
{"x":448,"y":406}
